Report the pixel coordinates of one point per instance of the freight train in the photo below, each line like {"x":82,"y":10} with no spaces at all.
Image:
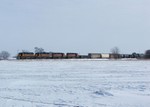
{"x":59,"y":55}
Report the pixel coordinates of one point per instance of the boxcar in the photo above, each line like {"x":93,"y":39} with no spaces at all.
{"x":72,"y":55}
{"x":95,"y":55}
{"x":105,"y":56}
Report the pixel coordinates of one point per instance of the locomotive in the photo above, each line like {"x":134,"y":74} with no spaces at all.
{"x":43,"y":55}
{"x":26,"y":55}
{"x":46,"y":55}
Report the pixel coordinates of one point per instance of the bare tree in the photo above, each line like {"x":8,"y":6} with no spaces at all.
{"x":115,"y":53}
{"x":38,"y":50}
{"x":4,"y":55}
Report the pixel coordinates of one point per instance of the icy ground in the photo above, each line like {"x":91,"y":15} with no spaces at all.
{"x":74,"y":83}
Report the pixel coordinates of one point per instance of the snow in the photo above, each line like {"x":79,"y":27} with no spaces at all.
{"x":74,"y":83}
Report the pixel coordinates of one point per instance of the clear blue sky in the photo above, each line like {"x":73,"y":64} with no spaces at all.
{"x":75,"y":25}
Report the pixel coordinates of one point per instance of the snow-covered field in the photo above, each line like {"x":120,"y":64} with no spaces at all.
{"x":74,"y":83}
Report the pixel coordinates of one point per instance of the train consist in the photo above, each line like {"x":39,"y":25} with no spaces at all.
{"x":53,"y":55}
{"x":46,"y":55}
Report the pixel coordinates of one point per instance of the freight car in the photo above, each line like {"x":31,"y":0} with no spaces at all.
{"x":43,"y":55}
{"x":84,"y":57}
{"x":72,"y":55}
{"x":58,"y":55}
{"x":105,"y":56}
{"x":26,"y":55}
{"x":114,"y":56}
{"x":99,"y":55}
{"x":95,"y":55}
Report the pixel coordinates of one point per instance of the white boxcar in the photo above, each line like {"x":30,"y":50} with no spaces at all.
{"x":105,"y":56}
{"x":94,"y":55}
